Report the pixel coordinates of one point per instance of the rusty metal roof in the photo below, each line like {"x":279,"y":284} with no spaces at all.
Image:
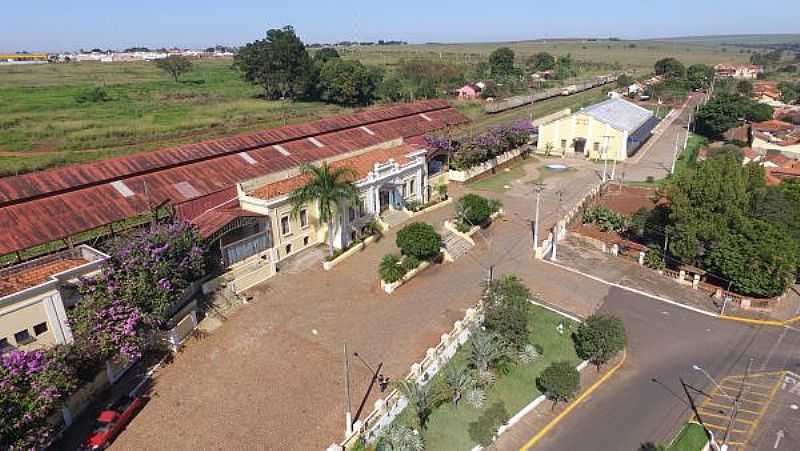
{"x":54,"y":204}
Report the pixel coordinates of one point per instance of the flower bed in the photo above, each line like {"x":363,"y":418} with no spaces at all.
{"x":463,"y":175}
{"x":430,"y":206}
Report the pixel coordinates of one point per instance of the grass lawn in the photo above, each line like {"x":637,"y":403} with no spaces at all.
{"x":448,"y":427}
{"x":692,"y":437}
{"x":503,"y":177}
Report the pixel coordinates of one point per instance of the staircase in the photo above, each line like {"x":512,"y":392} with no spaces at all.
{"x":392,"y":217}
{"x":454,"y":245}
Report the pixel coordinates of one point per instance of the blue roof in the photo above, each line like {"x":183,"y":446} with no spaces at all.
{"x":619,"y":113}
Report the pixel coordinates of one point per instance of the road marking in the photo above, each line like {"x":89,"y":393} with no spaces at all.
{"x":723,"y":428}
{"x":572,"y":405}
{"x":724,"y":417}
{"x":778,"y":437}
{"x":766,"y":405}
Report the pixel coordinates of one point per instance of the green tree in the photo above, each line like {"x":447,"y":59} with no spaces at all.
{"x":400,"y":438}
{"x":456,"y":380}
{"x":670,"y":68}
{"x":324,"y":54}
{"x":391,"y":269}
{"x":174,"y":65}
{"x":745,"y":88}
{"x":540,"y":62}
{"x":348,"y":82}
{"x":487,"y":350}
{"x":420,"y":240}
{"x":700,"y":76}
{"x":624,"y":80}
{"x":720,"y":114}
{"x":502,"y":62}
{"x":278,"y":63}
{"x":506,"y":310}
{"x":473,"y":210}
{"x":390,"y":89}
{"x":330,"y":188}
{"x":759,"y":112}
{"x":600,"y":338}
{"x":559,"y":382}
{"x":788,"y":92}
{"x":564,"y":68}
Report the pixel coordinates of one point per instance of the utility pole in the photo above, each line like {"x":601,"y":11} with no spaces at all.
{"x":348,"y":413}
{"x":556,"y":231}
{"x":606,"y":139}
{"x":675,"y":154}
{"x":538,"y":187}
{"x":697,"y":414}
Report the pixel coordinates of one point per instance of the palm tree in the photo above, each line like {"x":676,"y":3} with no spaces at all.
{"x":423,"y":398}
{"x":487,"y":349}
{"x":457,"y":380}
{"x":329,"y":187}
{"x":400,"y":438}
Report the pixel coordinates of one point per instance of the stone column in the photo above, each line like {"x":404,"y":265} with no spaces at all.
{"x":641,"y":258}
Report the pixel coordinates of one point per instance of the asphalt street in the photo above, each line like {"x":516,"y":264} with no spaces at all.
{"x":645,"y":401}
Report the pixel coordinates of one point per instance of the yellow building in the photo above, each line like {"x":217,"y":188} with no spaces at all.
{"x":610,"y":130}
{"x":34,"y":296}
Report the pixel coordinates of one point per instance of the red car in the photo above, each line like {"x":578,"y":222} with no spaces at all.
{"x":111,"y":422}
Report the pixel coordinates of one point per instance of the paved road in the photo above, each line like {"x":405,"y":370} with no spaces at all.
{"x":655,"y":159}
{"x":665,"y":341}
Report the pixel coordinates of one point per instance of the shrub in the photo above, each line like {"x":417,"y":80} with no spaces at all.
{"x":390,"y":269}
{"x":484,"y":429}
{"x":420,"y":240}
{"x":607,"y":219}
{"x":473,"y":210}
{"x":413,"y":205}
{"x":410,"y":263}
{"x":653,"y":258}
{"x":600,"y":338}
{"x":95,"y":95}
{"x":560,"y":381}
{"x":442,"y":190}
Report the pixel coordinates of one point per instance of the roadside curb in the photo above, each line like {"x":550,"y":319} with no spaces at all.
{"x":759,"y":322}
{"x":573,"y":404}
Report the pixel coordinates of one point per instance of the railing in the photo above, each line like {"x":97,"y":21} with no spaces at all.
{"x":386,"y":411}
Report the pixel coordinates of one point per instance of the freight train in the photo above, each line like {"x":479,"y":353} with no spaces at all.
{"x":518,"y":101}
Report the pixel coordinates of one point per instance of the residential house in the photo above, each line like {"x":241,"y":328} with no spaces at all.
{"x":776,"y":136}
{"x":468,"y":92}
{"x":766,"y":91}
{"x":740,"y":71}
{"x":610,"y":130}
{"x":386,"y":179}
{"x":35,"y":295}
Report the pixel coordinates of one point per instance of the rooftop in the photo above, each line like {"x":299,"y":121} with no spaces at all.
{"x":619,"y":113}
{"x":361,"y":165}
{"x":54,"y":204}
{"x":36,"y":272}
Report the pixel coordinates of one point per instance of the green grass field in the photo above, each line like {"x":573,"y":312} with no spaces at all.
{"x":448,"y":427}
{"x":42,"y":124}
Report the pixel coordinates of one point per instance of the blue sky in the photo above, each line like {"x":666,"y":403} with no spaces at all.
{"x":49,"y":25}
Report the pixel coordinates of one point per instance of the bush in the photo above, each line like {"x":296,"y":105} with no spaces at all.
{"x":607,"y":219}
{"x":420,"y":240}
{"x":484,"y":429}
{"x":653,"y":258}
{"x":560,"y":381}
{"x":410,"y":262}
{"x":390,"y":269}
{"x":600,"y":338}
{"x":95,"y":95}
{"x":473,"y":210}
{"x":413,"y":205}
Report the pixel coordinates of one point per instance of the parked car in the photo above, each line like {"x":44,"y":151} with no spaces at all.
{"x":111,"y":421}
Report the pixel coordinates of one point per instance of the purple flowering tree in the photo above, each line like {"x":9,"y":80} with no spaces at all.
{"x":32,"y":384}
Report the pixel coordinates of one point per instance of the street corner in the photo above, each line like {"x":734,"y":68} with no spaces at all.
{"x":780,"y":426}
{"x":743,"y":407}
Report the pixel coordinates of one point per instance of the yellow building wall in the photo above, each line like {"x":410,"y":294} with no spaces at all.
{"x":24,"y":315}
{"x":561,"y":136}
{"x":299,"y":238}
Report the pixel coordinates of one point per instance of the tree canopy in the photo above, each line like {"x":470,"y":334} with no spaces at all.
{"x":670,"y":68}
{"x":279,"y":63}
{"x":324,"y":54}
{"x":560,"y":381}
{"x":501,"y":62}
{"x":600,"y":338}
{"x":540,"y":62}
{"x":724,"y":219}
{"x":725,"y":110}
{"x":348,"y":82}
{"x":699,"y":76}
{"x":174,"y":65}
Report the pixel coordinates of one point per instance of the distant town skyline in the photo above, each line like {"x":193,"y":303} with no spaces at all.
{"x":48,"y":25}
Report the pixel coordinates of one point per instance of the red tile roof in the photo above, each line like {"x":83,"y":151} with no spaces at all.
{"x":16,"y":279}
{"x":50,"y":205}
{"x":779,"y":160}
{"x":361,"y":165}
{"x":773,"y":125}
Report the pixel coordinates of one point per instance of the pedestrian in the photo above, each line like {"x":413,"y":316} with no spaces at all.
{"x":383,"y":382}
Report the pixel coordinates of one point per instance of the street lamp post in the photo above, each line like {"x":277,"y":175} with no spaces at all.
{"x":708,"y":376}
